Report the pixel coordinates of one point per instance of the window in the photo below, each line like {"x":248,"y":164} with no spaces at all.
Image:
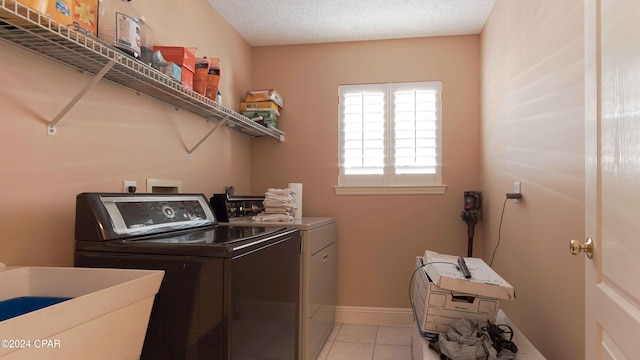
{"x":390,"y":135}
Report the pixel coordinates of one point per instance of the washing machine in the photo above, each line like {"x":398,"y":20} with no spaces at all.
{"x":229,"y":292}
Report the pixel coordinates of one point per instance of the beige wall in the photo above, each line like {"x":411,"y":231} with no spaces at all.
{"x":378,"y":236}
{"x":109,"y":136}
{"x":533,"y":132}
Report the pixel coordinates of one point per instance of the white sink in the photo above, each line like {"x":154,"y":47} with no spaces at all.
{"x":106,"y":317}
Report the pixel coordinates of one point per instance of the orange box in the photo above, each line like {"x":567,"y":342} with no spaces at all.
{"x":60,"y":11}
{"x":179,"y":55}
{"x":66,"y":12}
{"x":207,"y":77}
{"x":264,"y":95}
{"x":187,"y":77}
{"x":37,"y":5}
{"x":85,"y":13}
{"x":258,"y":106}
{"x":200,"y":75}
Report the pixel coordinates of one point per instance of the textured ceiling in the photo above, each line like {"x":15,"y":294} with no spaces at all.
{"x":280,"y":22}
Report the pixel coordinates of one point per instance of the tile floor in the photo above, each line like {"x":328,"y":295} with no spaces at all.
{"x":367,"y":342}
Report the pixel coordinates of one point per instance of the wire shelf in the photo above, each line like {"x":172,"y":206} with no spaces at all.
{"x":33,"y":31}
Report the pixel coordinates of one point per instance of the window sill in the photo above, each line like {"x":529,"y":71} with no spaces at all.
{"x":390,"y":190}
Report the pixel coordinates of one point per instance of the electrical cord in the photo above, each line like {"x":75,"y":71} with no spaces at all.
{"x":504,"y":204}
{"x":498,"y":339}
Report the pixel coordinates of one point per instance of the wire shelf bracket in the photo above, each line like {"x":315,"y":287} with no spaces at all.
{"x":51,"y":128}
{"x":221,"y":123}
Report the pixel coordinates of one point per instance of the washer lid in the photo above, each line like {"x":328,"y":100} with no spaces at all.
{"x":215,"y":235}
{"x":216,"y":241}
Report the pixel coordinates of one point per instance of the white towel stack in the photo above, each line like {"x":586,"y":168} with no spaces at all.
{"x":278,"y":206}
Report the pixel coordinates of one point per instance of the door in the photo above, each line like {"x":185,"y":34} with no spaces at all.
{"x":612,"y":61}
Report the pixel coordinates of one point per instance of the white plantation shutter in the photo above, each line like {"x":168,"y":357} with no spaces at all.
{"x":364,"y":125}
{"x":416,"y":111}
{"x":390,"y":134}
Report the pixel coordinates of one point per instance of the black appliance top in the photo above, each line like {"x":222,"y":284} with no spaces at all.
{"x":214,"y":235}
{"x":159,"y":223}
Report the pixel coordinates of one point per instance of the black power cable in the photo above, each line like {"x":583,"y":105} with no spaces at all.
{"x":504,"y":204}
{"x":498,"y":339}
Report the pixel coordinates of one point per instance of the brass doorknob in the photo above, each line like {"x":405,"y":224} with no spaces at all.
{"x":575,"y":247}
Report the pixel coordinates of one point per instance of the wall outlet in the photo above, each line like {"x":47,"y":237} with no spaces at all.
{"x":127,"y":183}
{"x":516,"y":190}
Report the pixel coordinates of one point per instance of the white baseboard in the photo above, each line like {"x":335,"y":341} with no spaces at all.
{"x":374,"y":316}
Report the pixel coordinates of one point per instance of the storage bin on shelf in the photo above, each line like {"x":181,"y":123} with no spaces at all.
{"x":183,"y":57}
{"x":262,"y":106}
{"x":118,"y":25}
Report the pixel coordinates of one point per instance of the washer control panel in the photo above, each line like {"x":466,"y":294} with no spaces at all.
{"x":133,"y":214}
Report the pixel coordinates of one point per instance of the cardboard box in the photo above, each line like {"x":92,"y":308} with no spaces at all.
{"x":270,"y":123}
{"x":200,"y":76}
{"x":37,"y":5}
{"x":264,"y":114}
{"x":187,"y":77}
{"x":206,"y":80}
{"x":436,"y":309}
{"x":180,"y":55}
{"x":258,"y":106}
{"x":272,"y":112}
{"x":171,"y":69}
{"x":265,"y":118}
{"x":85,"y":13}
{"x":484,"y":281}
{"x":264,"y":95}
{"x":66,"y":12}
